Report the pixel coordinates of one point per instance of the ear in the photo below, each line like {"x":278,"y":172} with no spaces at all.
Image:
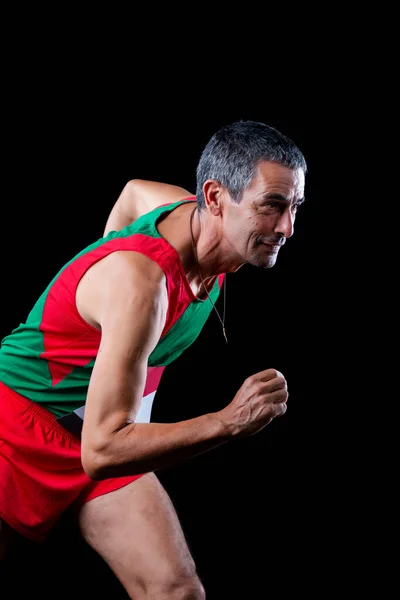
{"x":213,"y":193}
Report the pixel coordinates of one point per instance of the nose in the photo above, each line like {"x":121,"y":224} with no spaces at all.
{"x":285,"y":223}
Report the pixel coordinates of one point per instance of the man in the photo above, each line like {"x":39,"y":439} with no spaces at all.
{"x":78,"y":378}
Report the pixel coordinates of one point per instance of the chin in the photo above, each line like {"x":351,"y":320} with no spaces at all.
{"x":265,"y":262}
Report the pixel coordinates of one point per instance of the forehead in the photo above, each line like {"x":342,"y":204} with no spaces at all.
{"x":274,"y":178}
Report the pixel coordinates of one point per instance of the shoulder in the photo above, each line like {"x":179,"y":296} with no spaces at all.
{"x":117,"y":283}
{"x":127,"y":269}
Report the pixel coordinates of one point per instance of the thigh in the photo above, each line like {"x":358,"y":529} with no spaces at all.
{"x":137,"y":532}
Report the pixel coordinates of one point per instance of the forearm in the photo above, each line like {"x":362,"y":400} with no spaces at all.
{"x":143,"y":447}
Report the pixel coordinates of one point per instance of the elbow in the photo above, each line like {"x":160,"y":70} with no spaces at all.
{"x":93,"y":464}
{"x":132,"y":187}
{"x":104,"y":458}
{"x":95,"y":457}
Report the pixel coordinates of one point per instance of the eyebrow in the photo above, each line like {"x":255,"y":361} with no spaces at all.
{"x":281,"y":198}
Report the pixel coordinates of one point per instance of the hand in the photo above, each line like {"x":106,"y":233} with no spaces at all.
{"x":261,"y":398}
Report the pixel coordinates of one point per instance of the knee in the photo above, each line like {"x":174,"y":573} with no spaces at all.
{"x":179,"y":587}
{"x":189,"y":589}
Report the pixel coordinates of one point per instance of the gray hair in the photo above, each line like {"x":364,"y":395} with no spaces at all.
{"x":232,"y":155}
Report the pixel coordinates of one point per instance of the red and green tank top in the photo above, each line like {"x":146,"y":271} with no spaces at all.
{"x":49,"y":358}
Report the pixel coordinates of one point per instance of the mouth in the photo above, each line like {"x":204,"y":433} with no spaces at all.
{"x":272,"y":247}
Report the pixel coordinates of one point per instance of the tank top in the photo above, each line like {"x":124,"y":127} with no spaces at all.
{"x":50,"y":357}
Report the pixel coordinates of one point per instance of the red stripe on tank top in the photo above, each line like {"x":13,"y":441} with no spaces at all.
{"x":69,"y":341}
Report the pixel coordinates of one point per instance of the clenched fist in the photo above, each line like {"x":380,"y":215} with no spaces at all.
{"x":261,"y":398}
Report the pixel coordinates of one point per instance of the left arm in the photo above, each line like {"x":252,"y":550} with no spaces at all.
{"x":139,"y":197}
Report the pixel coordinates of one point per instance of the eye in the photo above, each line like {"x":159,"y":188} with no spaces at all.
{"x":271,"y":205}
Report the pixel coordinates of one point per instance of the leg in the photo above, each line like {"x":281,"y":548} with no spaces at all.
{"x":136,"y":531}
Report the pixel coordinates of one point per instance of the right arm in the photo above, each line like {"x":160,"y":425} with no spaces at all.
{"x":131,"y":311}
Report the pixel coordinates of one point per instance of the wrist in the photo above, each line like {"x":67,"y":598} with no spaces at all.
{"x":223,"y":428}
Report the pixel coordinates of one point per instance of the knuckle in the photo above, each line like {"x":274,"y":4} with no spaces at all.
{"x":249,"y":380}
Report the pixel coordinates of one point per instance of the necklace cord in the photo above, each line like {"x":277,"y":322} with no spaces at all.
{"x":201,"y":278}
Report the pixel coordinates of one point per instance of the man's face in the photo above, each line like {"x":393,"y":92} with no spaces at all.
{"x":258,"y":226}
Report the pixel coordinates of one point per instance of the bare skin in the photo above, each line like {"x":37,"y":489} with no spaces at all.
{"x":137,"y":532}
{"x":139,"y":197}
{"x":124,"y":295}
{"x":126,"y":289}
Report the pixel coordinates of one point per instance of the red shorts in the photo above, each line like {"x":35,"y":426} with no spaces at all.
{"x":41,"y":472}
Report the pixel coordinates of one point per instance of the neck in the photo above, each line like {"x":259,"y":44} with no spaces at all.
{"x":202,"y":285}
{"x":208,"y":252}
{"x":221,"y":319}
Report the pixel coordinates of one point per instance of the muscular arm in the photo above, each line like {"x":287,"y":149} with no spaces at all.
{"x":131,"y":313}
{"x":139,"y":197}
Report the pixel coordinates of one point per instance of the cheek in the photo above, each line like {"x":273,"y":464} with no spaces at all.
{"x":260,"y":227}
{"x":245,"y":231}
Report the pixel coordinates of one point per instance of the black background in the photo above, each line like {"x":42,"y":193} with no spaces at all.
{"x":261,"y":515}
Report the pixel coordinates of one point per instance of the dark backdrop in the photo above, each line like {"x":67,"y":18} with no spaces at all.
{"x":255,"y":512}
